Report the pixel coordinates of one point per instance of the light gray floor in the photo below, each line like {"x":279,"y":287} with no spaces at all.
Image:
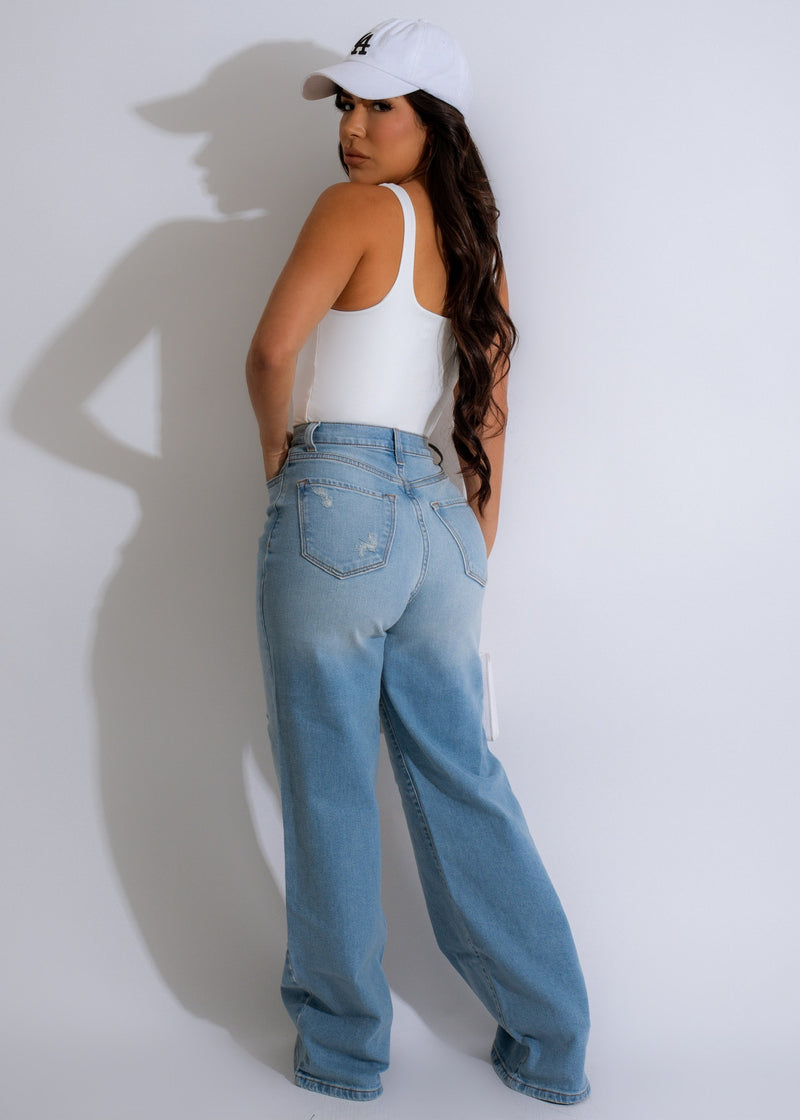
{"x":192,"y":1070}
{"x":92,"y":1029}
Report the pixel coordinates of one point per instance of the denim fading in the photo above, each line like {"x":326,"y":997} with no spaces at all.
{"x":371,"y":576}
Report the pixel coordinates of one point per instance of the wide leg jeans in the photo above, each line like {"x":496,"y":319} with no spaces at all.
{"x":371,"y":575}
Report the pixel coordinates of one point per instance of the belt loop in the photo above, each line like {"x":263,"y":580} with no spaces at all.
{"x":398,"y":446}
{"x":308,"y":435}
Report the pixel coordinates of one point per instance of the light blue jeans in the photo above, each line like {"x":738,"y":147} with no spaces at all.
{"x":371,"y":577}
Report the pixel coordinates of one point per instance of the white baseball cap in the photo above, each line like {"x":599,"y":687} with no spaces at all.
{"x":397,"y":57}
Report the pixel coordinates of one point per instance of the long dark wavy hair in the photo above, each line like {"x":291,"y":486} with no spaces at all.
{"x":466,"y":214}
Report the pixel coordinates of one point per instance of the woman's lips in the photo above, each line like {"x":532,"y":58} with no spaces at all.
{"x":354,"y":157}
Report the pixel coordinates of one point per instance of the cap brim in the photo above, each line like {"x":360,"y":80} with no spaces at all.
{"x":357,"y":78}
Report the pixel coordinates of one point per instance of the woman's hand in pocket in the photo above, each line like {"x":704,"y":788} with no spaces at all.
{"x":274,"y":460}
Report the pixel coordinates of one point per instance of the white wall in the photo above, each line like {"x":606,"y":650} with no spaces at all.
{"x":643,"y":607}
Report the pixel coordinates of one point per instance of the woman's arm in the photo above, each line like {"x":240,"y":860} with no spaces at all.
{"x":331,"y":243}
{"x":493,"y":439}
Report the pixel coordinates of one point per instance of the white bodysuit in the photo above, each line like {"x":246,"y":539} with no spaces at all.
{"x":392,"y":364}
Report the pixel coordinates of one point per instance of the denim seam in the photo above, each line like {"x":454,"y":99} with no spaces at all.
{"x":306,"y":998}
{"x":303,"y":456}
{"x":263,"y":580}
{"x":425,"y":548}
{"x":437,"y":862}
{"x":295,"y":979}
{"x":429,"y":479}
{"x":383,"y":445}
{"x":273,"y":725}
{"x":273,"y":505}
{"x":344,"y":1092}
{"x":387,"y":446}
{"x":317,"y":455}
{"x":262,"y":616}
{"x":337,"y":483}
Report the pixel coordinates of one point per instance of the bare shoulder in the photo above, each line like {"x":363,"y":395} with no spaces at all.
{"x":353,"y":205}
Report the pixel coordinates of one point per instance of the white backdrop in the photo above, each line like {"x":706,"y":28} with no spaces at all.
{"x":642,"y":612}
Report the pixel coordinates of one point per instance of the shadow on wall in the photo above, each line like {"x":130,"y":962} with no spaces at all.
{"x":175,"y":663}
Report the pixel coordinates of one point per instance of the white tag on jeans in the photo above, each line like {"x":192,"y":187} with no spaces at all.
{"x":490,"y":724}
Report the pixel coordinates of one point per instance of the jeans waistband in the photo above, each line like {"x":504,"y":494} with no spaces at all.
{"x":399,"y":443}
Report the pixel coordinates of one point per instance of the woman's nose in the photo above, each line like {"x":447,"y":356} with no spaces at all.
{"x":355,"y":122}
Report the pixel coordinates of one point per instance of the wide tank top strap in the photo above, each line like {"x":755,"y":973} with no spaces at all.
{"x":405,"y":273}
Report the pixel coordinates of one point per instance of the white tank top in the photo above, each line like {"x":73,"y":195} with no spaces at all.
{"x":391,"y":364}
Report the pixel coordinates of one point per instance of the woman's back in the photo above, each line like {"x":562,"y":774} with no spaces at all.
{"x":381,"y":355}
{"x":377,"y":270}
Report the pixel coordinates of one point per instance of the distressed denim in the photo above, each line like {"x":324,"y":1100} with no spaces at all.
{"x":371,"y":575}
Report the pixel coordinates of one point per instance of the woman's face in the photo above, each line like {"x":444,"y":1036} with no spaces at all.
{"x":382,"y":141}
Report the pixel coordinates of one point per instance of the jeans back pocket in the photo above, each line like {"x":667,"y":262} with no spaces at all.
{"x":462,"y":524}
{"x":344,"y":529}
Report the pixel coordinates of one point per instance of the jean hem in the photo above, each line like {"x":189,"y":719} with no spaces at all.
{"x":553,"y":1096}
{"x":331,"y":1089}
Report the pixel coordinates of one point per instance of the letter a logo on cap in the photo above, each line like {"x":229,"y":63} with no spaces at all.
{"x":362,"y":45}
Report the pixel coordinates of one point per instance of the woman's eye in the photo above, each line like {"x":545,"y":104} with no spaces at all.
{"x":381,"y":106}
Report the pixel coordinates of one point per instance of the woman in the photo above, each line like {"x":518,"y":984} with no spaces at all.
{"x":372,"y":568}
